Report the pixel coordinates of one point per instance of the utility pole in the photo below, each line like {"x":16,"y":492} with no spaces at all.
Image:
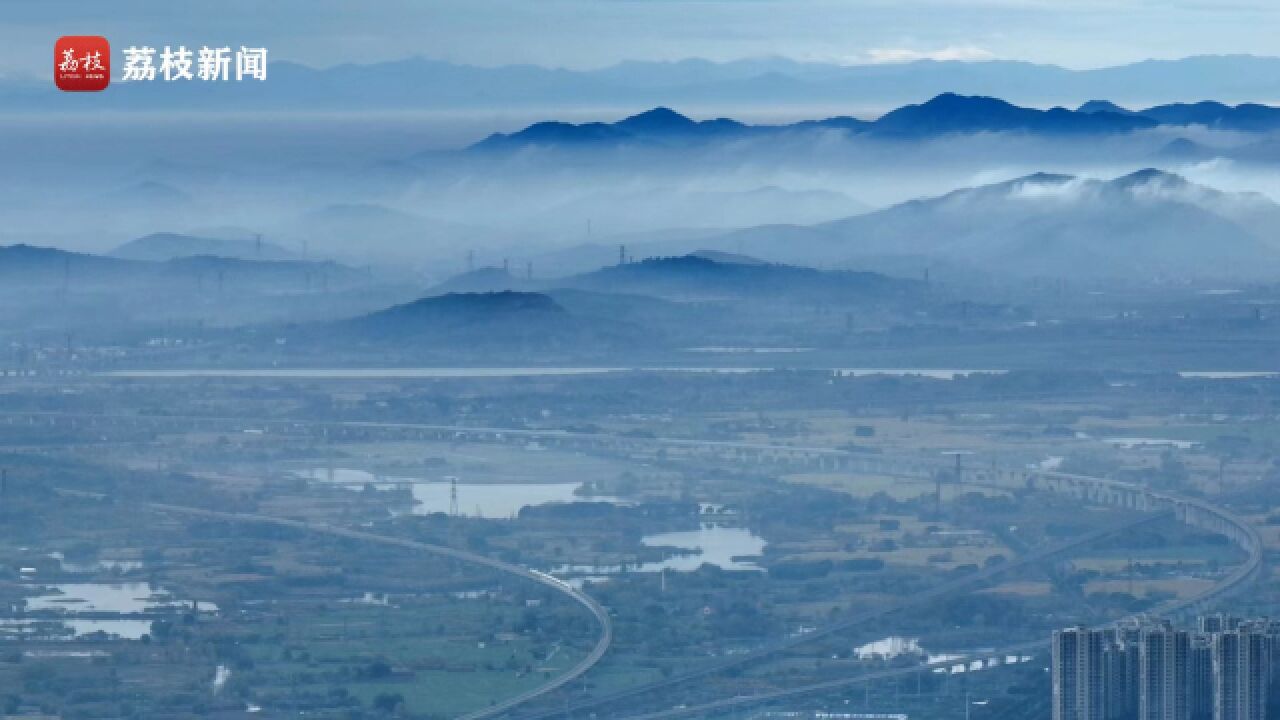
{"x":937,"y":495}
{"x":453,"y":496}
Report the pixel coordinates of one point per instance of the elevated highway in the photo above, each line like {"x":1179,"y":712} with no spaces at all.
{"x":1193,"y":512}
{"x":1151,"y":503}
{"x":598,"y":612}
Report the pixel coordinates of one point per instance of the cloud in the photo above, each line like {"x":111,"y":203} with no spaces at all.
{"x":1069,"y":190}
{"x":963,"y":53}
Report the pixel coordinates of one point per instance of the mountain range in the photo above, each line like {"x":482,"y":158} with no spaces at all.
{"x":462,"y":323}
{"x":703,"y":277}
{"x":419,"y":83}
{"x":41,"y":268}
{"x":1146,"y":226}
{"x":159,"y":247}
{"x":945,"y":114}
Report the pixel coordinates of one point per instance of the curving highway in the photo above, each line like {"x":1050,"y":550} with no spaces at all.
{"x":1192,"y":511}
{"x":934,"y":594}
{"x":597,"y":610}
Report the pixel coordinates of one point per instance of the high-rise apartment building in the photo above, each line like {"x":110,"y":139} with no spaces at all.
{"x":1151,"y":670}
{"x":1078,"y":670}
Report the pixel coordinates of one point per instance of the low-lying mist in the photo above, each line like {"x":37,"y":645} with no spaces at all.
{"x":402,"y":191}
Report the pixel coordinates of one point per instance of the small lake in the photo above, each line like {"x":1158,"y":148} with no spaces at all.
{"x":61,"y":603}
{"x":486,"y":500}
{"x":126,"y":628}
{"x":712,"y":544}
{"x":100,"y":597}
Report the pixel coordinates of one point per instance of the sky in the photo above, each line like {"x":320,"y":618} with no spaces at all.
{"x":597,"y":33}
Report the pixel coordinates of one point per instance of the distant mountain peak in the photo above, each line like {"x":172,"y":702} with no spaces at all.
{"x":467,"y":307}
{"x":490,"y":318}
{"x":1099,"y":106}
{"x":484,"y":279}
{"x":948,"y":113}
{"x":954,"y":113}
{"x":657,"y":119}
{"x":1150,"y":176}
{"x":1045,"y":178}
{"x":951,"y":99}
{"x":726,"y":258}
{"x":161,"y":246}
{"x":1184,"y":149}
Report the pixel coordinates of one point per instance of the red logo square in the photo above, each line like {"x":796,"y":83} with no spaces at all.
{"x":82,"y":63}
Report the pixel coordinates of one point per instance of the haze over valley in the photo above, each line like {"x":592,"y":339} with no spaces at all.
{"x":498,"y":360}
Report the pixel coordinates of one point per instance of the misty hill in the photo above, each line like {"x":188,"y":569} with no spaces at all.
{"x":707,"y":276}
{"x":657,"y":125}
{"x":40,"y":268}
{"x":28,"y":265}
{"x":489,"y":319}
{"x":951,"y":113}
{"x":1246,"y":117}
{"x":727,"y":257}
{"x":484,"y":280}
{"x":691,"y":277}
{"x":1143,"y":226}
{"x":429,"y":84}
{"x":270,"y":276}
{"x":947,"y":113}
{"x":167,"y":246}
{"x":1184,"y":150}
{"x":1105,"y":106}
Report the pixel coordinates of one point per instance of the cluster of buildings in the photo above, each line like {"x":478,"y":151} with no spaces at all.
{"x":1150,"y":670}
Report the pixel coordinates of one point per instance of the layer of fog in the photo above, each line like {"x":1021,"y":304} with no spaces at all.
{"x":393,"y":191}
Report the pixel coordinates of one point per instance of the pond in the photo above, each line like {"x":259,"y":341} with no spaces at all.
{"x":64,"y":604}
{"x":726,"y":547}
{"x":486,"y":500}
{"x":712,"y":544}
